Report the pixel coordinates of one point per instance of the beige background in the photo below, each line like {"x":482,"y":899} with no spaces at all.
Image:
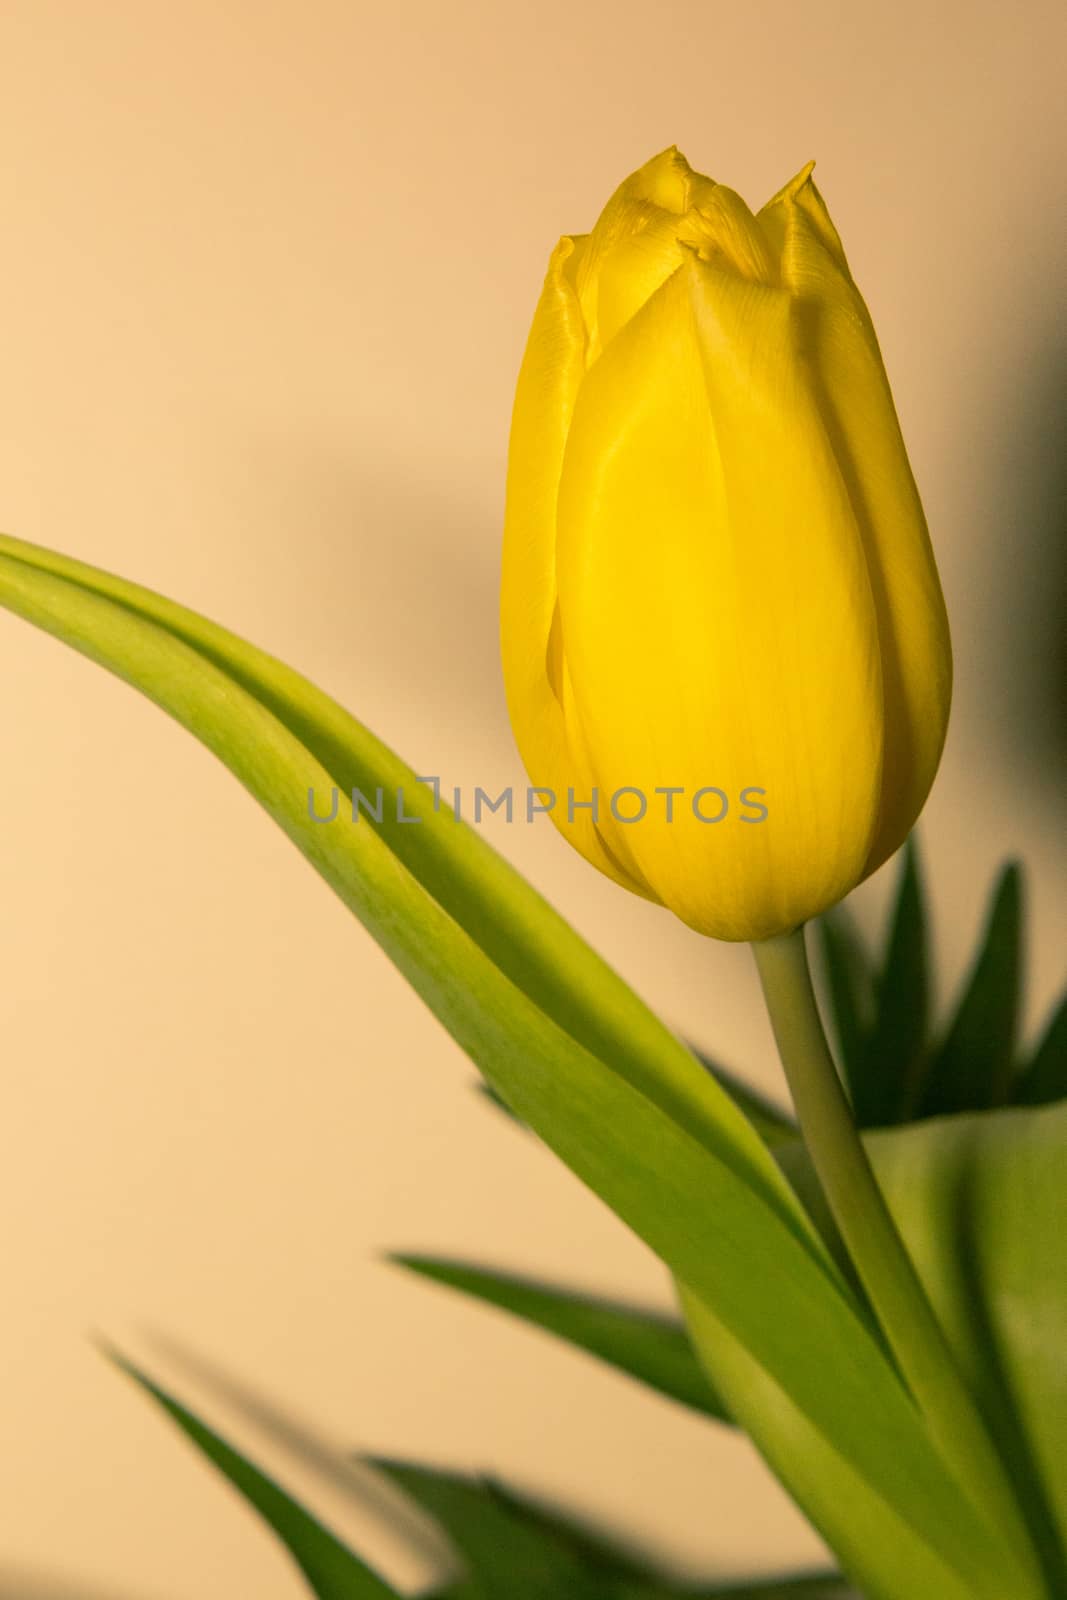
{"x":267,"y":270}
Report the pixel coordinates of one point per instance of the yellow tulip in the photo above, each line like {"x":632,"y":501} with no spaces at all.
{"x":717,"y":578}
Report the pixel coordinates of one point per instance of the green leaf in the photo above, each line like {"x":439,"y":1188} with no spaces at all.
{"x":1044,"y":1079}
{"x":849,"y":977}
{"x":973,"y":1067}
{"x":572,"y":1051}
{"x":980,"y":1201}
{"x":653,"y":1349}
{"x":332,"y":1570}
{"x":773,"y":1125}
{"x":893,"y":1057}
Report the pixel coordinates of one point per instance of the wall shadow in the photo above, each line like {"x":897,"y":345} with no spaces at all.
{"x":1025,"y":605}
{"x":396,"y":574}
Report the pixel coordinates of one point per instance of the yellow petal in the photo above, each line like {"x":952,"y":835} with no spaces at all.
{"x":716,"y":609}
{"x":800,"y":192}
{"x":531,"y":641}
{"x":858,"y":409}
{"x":723,"y":231}
{"x":634,"y":245}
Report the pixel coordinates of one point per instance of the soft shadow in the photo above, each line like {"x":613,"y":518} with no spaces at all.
{"x":394,"y":571}
{"x":1026,"y":602}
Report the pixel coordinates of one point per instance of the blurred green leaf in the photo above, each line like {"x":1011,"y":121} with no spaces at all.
{"x":849,"y":978}
{"x":981,"y":1202}
{"x":653,"y":1349}
{"x":1044,"y":1079}
{"x":509,"y":1555}
{"x":895,"y":1047}
{"x":595,"y":1550}
{"x":818,"y":1588}
{"x":333,"y":1571}
{"x":973,"y":1067}
{"x":573,"y":1052}
{"x":830,"y":1587}
{"x":879,"y":1013}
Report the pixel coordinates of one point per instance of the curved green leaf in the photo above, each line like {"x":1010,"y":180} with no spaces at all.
{"x":653,"y":1349}
{"x":333,"y":1571}
{"x":137,"y":634}
{"x":774,"y":1126}
{"x":642,"y":1125}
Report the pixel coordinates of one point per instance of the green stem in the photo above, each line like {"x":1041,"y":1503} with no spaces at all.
{"x":886,"y":1270}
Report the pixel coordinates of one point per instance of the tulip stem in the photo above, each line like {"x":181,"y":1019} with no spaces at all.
{"x":878,"y":1252}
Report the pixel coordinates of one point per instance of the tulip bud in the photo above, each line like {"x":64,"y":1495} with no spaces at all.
{"x":717,"y":574}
